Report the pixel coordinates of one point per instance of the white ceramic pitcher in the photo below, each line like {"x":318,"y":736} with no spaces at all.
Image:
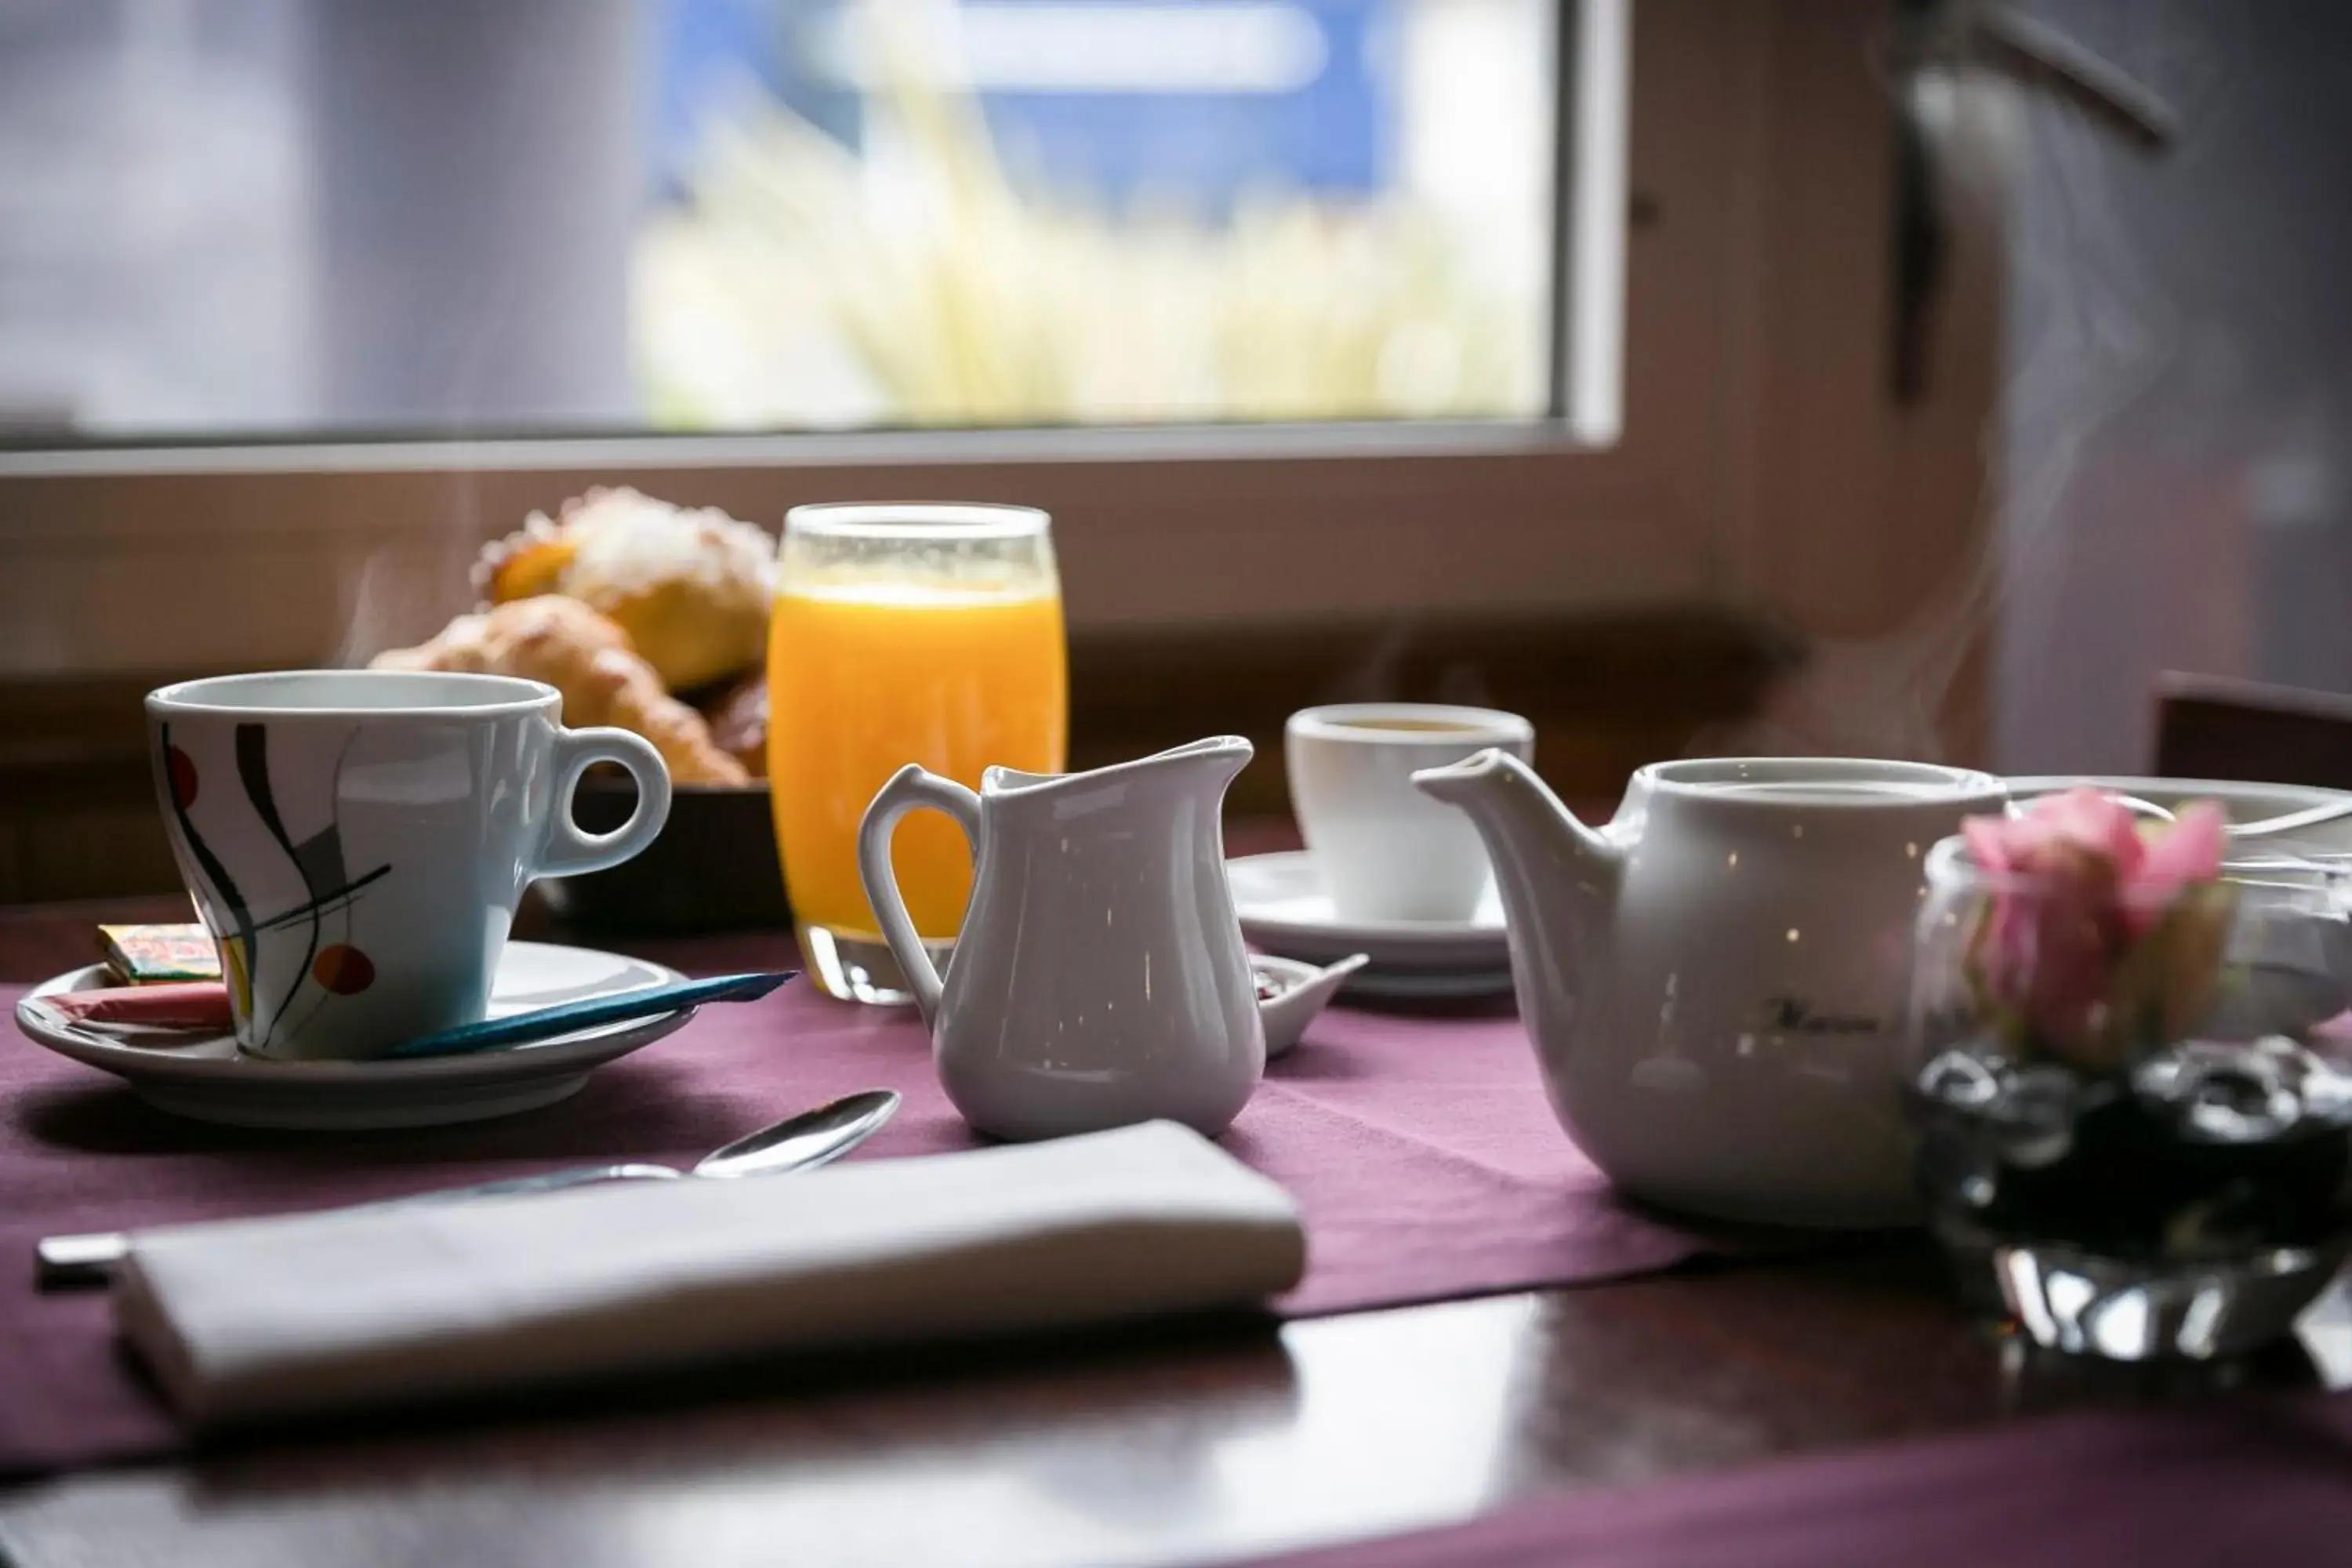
{"x":1100,"y":978}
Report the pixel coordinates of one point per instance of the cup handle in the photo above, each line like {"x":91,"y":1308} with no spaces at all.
{"x":909,"y":788}
{"x":568,"y":851}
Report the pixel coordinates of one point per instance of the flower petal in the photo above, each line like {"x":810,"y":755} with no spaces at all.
{"x":2097,"y":823}
{"x":2188,"y":851}
{"x":1988,"y":841}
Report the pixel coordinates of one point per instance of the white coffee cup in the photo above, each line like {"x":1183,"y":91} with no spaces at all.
{"x":1384,"y":850}
{"x":357,"y":840}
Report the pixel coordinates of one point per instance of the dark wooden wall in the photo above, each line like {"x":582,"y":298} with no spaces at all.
{"x":1605,"y":695}
{"x":77,"y":819}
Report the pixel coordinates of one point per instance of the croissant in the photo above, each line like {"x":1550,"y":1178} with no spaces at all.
{"x":588,"y":658}
{"x":739,"y":722}
{"x":692,"y":589}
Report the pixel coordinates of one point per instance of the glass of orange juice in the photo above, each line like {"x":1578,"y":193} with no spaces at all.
{"x":927,"y":634}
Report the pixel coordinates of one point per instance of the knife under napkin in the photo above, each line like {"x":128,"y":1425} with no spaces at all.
{"x":247,"y":1320}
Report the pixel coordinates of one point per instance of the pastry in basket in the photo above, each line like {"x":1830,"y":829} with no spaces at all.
{"x":588,"y":658}
{"x":691,"y":588}
{"x":739,"y":722}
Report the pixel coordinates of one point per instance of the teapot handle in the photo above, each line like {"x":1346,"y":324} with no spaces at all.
{"x":909,"y":788}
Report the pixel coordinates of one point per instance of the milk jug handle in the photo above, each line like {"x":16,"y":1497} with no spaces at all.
{"x":909,"y":788}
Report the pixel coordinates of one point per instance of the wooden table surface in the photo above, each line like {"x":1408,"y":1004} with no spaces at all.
{"x":1187,"y":1445}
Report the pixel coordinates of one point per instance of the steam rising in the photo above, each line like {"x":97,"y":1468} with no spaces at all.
{"x":2087,"y":329}
{"x":415,"y":580}
{"x":2089,"y":325}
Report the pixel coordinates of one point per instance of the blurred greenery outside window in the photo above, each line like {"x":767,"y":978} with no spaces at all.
{"x":238,"y":218}
{"x":300,"y":299}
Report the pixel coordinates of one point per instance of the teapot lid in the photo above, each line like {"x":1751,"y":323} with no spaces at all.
{"x":1857,"y":782}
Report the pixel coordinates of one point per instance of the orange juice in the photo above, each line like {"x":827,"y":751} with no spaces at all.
{"x":865,"y":676}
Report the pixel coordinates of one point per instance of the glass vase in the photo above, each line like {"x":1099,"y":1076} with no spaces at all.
{"x":2133,"y":1141}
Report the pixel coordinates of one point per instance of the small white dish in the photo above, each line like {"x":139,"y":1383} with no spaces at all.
{"x":1431,"y":986}
{"x":209,"y":1080}
{"x":1285,"y":910}
{"x":1306,"y":991}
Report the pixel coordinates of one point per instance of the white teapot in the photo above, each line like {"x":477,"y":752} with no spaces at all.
{"x":1718,"y":981}
{"x":1100,"y":978}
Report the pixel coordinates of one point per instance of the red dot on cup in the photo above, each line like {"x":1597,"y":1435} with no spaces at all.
{"x":183,"y":773}
{"x":344,"y":969}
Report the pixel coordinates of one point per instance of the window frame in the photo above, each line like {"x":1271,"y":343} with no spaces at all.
{"x":217,"y":557}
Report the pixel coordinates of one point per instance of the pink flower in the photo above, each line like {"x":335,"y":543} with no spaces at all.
{"x":2058,"y":834}
{"x":2082,"y":884}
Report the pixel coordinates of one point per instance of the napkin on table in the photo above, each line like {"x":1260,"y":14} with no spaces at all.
{"x":244,"y":1320}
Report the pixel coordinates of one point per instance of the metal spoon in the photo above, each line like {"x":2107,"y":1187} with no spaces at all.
{"x":2293,"y":821}
{"x":801,"y":1143}
{"x":2278,"y":826}
{"x":2147,"y":808}
{"x":2267,"y":828}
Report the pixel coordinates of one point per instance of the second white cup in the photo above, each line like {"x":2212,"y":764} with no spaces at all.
{"x":1384,"y":850}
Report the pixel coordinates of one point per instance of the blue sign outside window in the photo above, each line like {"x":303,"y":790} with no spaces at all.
{"x":1292,"y":93}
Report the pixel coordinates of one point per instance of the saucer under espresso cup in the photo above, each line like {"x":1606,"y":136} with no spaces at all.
{"x":1285,"y":910}
{"x":357,"y":840}
{"x":1385,"y":851}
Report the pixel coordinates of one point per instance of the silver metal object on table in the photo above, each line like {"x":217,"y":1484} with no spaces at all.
{"x":801,"y":1143}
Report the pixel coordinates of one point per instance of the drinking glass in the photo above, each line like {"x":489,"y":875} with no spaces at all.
{"x":2133,"y":1139}
{"x":903,"y":633}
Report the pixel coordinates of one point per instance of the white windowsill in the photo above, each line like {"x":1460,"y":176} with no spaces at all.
{"x":1435,"y":438}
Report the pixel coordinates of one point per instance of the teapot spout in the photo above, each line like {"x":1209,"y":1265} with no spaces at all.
{"x":1520,"y":819}
{"x":1558,"y":879}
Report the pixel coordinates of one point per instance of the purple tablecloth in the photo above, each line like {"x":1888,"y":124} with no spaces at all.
{"x":2238,"y":1482}
{"x":1419,"y":1150}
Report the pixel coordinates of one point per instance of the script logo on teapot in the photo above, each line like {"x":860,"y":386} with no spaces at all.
{"x":1795,"y":1015}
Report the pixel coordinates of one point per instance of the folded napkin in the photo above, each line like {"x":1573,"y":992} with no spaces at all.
{"x":251,"y":1318}
{"x":173,"y":1005}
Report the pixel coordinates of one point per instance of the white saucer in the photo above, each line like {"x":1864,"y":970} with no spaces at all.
{"x":1431,"y":986}
{"x":1285,"y":911}
{"x":211,"y":1080}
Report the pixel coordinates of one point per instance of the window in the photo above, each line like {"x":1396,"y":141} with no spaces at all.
{"x":1269,"y":301}
{"x":273,"y":217}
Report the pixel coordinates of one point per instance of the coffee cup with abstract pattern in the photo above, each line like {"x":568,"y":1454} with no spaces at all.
{"x":357,"y":840}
